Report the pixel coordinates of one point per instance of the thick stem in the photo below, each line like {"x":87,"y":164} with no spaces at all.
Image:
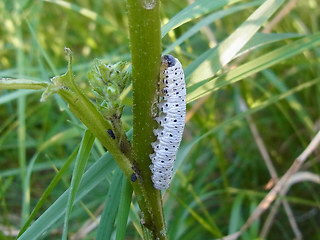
{"x":145,"y":39}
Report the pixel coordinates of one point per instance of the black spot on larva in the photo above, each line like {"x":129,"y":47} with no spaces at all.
{"x":134,"y":177}
{"x":111,"y":134}
{"x":170,"y":60}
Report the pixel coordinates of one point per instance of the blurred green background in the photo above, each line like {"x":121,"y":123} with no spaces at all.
{"x":222,"y":174}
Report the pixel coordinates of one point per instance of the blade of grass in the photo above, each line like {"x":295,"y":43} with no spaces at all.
{"x":80,"y":165}
{"x":194,"y":10}
{"x":236,"y":220}
{"x":225,"y":52}
{"x":209,"y":85}
{"x":111,"y":206}
{"x":292,"y":100}
{"x":125,"y":201}
{"x":213,"y":229}
{"x":185,"y":150}
{"x":92,"y":177}
{"x":22,"y":158}
{"x":208,"y":20}
{"x":258,"y":40}
{"x":49,"y":189}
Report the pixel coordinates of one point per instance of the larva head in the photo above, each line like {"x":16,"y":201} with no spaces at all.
{"x":168,"y":61}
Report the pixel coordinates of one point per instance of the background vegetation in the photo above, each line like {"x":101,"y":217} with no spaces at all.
{"x":241,"y":137}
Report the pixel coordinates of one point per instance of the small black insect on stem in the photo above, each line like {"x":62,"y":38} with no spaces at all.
{"x":134,"y":177}
{"x":111,"y":134}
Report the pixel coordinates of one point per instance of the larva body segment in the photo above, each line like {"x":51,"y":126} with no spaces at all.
{"x":172,"y":108}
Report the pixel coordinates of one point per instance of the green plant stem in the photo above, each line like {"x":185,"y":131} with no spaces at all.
{"x":6,"y":83}
{"x":145,"y":39}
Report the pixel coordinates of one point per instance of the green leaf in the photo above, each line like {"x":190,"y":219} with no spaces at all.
{"x":47,"y":192}
{"x":207,"y":86}
{"x":93,"y":176}
{"x":258,"y":40}
{"x":225,"y":52}
{"x":111,"y":207}
{"x":236,"y":215}
{"x":208,"y":20}
{"x":80,"y":165}
{"x":7,"y":83}
{"x":123,"y":212}
{"x":195,"y":10}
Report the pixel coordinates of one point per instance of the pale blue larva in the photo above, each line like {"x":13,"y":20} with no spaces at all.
{"x":172,"y":108}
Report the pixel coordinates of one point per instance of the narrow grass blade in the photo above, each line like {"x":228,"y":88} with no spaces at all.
{"x":22,"y":158}
{"x":93,"y":176}
{"x":84,"y":12}
{"x":208,"y":20}
{"x":123,"y":212}
{"x":236,"y":220}
{"x":292,"y":100}
{"x":47,"y":192}
{"x":111,"y":207}
{"x":195,"y":10}
{"x":258,"y":40}
{"x":183,"y":153}
{"x":213,"y":229}
{"x":231,"y":46}
{"x":80,"y":165}
{"x":209,"y":85}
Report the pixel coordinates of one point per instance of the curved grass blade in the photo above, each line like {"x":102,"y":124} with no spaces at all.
{"x":47,"y":192}
{"x":258,"y":40}
{"x":83,"y":11}
{"x":111,"y":207}
{"x":80,"y":165}
{"x":208,"y":20}
{"x":195,"y":10}
{"x":123,"y":212}
{"x":230,"y":47}
{"x":92,"y":177}
{"x":207,"y":86}
{"x":182,"y":155}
